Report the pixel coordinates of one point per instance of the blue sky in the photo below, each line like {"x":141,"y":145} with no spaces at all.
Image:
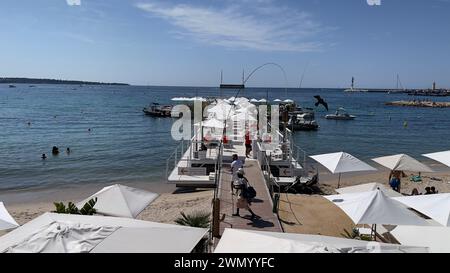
{"x":165,"y":42}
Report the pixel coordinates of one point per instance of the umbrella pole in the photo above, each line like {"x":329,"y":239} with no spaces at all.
{"x":374,"y":232}
{"x":339,"y":181}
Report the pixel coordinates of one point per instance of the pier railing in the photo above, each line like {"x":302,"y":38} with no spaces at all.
{"x":177,"y":154}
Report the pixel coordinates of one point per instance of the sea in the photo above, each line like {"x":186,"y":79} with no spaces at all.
{"x":111,"y":140}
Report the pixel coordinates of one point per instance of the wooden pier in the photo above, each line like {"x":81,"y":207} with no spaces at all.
{"x":429,"y":104}
{"x":262,"y":204}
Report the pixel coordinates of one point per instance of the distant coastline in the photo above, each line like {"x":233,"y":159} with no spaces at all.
{"x":52,"y":81}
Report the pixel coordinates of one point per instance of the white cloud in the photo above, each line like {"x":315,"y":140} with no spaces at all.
{"x":73,"y":2}
{"x":267,"y":28}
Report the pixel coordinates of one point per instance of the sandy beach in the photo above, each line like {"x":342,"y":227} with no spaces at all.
{"x":312,"y":213}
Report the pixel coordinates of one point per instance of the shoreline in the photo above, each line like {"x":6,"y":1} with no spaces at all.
{"x":25,"y":205}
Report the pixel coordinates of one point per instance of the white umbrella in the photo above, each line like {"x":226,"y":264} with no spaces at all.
{"x":6,"y":220}
{"x":443,"y":157}
{"x":212,"y":123}
{"x":369,"y":187}
{"x":69,"y":233}
{"x":254,"y":100}
{"x":244,"y":117}
{"x":402,"y":162}
{"x":121,"y":201}
{"x":288,"y":101}
{"x":374,"y":207}
{"x":262,"y":100}
{"x":277,"y":100}
{"x":435,"y":206}
{"x":251,"y":241}
{"x":436,"y":238}
{"x":342,"y":163}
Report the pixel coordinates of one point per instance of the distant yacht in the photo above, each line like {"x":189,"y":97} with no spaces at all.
{"x":12,"y":86}
{"x":353,"y":89}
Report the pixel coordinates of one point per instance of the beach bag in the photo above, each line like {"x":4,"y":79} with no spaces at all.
{"x":241,"y":203}
{"x":249,"y":193}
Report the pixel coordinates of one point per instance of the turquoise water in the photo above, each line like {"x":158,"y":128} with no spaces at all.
{"x":124,"y":145}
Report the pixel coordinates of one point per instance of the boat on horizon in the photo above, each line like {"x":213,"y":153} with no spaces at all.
{"x":353,"y":89}
{"x":12,"y":86}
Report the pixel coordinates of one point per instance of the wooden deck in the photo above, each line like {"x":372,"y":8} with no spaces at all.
{"x":261,"y":206}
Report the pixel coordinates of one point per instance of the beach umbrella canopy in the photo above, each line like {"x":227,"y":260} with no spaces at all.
{"x":435,"y":238}
{"x":402,"y":162}
{"x":221,"y":110}
{"x":212,"y":123}
{"x":435,"y":206}
{"x":288,"y":101}
{"x":277,"y":100}
{"x":262,"y":100}
{"x":71,"y":233}
{"x":121,"y":201}
{"x":443,"y":157}
{"x":374,"y":207}
{"x":244,"y":116}
{"x":342,"y":163}
{"x":251,"y":241}
{"x":369,"y":187}
{"x":6,"y":220}
{"x":254,"y":100}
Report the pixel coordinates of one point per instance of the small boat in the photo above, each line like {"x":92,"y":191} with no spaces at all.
{"x":302,"y":120}
{"x":157,"y":110}
{"x":341,"y":114}
{"x":12,"y":86}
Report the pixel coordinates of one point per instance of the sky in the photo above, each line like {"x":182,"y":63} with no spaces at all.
{"x":189,"y":43}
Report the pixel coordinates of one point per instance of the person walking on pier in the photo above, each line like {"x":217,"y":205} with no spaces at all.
{"x":235,"y":166}
{"x":241,"y":186}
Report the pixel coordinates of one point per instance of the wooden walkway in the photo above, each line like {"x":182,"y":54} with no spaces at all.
{"x":261,"y":206}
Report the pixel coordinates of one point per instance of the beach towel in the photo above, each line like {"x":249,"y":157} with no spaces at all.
{"x":416,"y":178}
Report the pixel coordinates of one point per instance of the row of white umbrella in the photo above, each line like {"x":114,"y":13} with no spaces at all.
{"x":116,"y":200}
{"x":338,"y":163}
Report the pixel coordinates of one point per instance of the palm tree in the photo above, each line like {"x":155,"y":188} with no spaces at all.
{"x":199,"y":219}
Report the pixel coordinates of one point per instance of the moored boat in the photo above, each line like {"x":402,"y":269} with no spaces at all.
{"x":341,"y":114}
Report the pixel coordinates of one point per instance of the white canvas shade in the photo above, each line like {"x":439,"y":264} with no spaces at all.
{"x":212,"y":123}
{"x":250,"y":241}
{"x":277,"y":100}
{"x":443,"y":157}
{"x":369,"y":187}
{"x":435,"y":206}
{"x":342,"y":163}
{"x":101,"y":234}
{"x":6,"y":220}
{"x":244,"y":117}
{"x":288,"y":101}
{"x":435,"y":238}
{"x":374,"y":207}
{"x":121,"y":201}
{"x":402,"y":162}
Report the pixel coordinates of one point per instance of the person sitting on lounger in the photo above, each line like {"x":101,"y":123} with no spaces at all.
{"x":433,"y":190}
{"x":415,"y":192}
{"x":428,"y":190}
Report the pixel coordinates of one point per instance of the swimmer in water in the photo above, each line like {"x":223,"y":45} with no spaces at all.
{"x":43,"y":156}
{"x":68,"y":150}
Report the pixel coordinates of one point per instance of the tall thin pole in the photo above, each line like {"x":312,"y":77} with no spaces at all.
{"x":339,"y":181}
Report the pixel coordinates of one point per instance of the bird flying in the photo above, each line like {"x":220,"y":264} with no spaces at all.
{"x":321,"y":101}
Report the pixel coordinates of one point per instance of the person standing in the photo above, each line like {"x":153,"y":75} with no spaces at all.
{"x":248,"y":144}
{"x":236,"y":164}
{"x":395,"y":180}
